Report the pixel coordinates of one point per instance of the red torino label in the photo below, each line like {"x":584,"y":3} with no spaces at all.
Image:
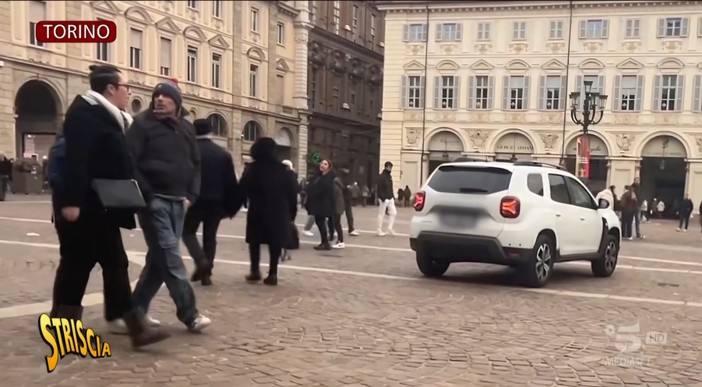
{"x":76,"y":31}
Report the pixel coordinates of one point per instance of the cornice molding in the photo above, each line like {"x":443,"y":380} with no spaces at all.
{"x":409,"y":7}
{"x":286,"y":9}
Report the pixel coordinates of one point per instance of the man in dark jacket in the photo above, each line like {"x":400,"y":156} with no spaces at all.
{"x":686,"y":209}
{"x":386,"y":200}
{"x":348,"y":200}
{"x":219,"y":198}
{"x":167,"y":159}
{"x":87,"y":232}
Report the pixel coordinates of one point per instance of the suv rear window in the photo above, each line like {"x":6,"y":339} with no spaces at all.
{"x":470,"y":180}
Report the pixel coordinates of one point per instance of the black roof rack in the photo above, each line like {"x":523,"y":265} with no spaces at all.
{"x":465,"y":159}
{"x":538,"y":164}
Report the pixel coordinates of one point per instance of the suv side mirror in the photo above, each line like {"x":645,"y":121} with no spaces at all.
{"x":604,"y":203}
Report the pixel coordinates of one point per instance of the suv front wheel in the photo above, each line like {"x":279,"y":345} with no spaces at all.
{"x":537,"y":271}
{"x":604,"y":265}
{"x":431,"y":267}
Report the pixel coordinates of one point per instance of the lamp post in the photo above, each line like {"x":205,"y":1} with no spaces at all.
{"x":593,"y":104}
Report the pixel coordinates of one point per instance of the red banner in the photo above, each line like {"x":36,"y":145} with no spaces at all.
{"x":583,"y":157}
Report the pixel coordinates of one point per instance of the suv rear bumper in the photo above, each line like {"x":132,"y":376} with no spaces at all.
{"x":467,"y":248}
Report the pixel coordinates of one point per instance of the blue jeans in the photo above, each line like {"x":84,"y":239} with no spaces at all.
{"x":162,"y":224}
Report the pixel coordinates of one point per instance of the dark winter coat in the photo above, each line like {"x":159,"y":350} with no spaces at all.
{"x":320,"y":196}
{"x":339,"y":197}
{"x":629,"y":201}
{"x":219,"y":188}
{"x":687,"y":207}
{"x":271,"y":191}
{"x":96,"y":148}
{"x":385,"y":189}
{"x":167,"y":156}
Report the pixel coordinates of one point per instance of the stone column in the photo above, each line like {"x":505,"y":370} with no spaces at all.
{"x":693,"y":184}
{"x":300,"y":99}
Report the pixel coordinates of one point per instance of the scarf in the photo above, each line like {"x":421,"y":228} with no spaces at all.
{"x":123,"y":118}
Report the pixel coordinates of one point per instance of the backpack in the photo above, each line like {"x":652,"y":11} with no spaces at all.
{"x":56,"y":164}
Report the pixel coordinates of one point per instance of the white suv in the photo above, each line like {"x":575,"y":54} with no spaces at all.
{"x":526,"y":215}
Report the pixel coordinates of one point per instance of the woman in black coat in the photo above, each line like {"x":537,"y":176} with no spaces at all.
{"x":320,"y":202}
{"x":272,"y":195}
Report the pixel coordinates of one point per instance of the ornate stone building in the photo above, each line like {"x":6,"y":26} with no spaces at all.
{"x":235,"y":63}
{"x":498,"y":74}
{"x":345,"y":75}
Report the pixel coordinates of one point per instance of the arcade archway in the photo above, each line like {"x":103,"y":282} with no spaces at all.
{"x":514,"y":146}
{"x":38,"y":109}
{"x":443,"y":147}
{"x":284,"y":140}
{"x":663,"y":172}
{"x":599,"y":153}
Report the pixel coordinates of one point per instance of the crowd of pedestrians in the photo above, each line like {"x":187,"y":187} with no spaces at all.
{"x":109,"y":171}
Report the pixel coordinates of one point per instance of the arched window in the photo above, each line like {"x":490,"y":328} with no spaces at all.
{"x":252,"y":130}
{"x":219,"y":125}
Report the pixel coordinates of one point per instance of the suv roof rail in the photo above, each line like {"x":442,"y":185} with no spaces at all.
{"x":464,"y":159}
{"x":538,"y":164}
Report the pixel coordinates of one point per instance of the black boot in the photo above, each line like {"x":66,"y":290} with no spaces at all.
{"x":323,"y":246}
{"x":141,"y":333}
{"x":271,"y":280}
{"x":67,"y":311}
{"x":253,"y":277}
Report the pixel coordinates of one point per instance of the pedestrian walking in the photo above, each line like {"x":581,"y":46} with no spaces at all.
{"x":365,"y":194}
{"x":629,"y":207}
{"x":348,"y":190}
{"x":321,"y":203}
{"x":637,"y":214}
{"x":293,"y":242}
{"x":219,"y":198}
{"x":167,"y":158}
{"x":686,"y":208}
{"x":408,"y":196}
{"x":92,"y":146}
{"x":386,"y":200}
{"x":339,"y":207}
{"x":272,"y":194}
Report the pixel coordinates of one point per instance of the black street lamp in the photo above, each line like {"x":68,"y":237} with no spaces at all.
{"x":593,"y":103}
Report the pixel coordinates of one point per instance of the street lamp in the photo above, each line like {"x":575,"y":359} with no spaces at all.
{"x":593,"y":107}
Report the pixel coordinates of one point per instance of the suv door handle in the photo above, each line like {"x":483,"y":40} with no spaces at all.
{"x":583,"y":219}
{"x":558,"y":215}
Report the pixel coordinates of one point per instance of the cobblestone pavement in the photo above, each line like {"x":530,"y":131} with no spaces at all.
{"x":363,"y":316}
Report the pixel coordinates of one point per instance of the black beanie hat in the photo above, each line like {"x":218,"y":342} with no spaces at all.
{"x":202,"y":127}
{"x":169,"y":90}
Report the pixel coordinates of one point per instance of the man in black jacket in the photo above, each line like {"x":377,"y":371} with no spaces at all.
{"x":87,"y":232}
{"x":686,"y":210}
{"x":167,"y":158}
{"x":386,"y":200}
{"x":219,"y":198}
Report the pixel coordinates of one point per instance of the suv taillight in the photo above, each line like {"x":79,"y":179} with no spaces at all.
{"x":419,"y":198}
{"x":510,"y":207}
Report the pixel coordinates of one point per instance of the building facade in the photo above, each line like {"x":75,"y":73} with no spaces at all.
{"x":345,"y":77}
{"x":492,"y":79}
{"x":234,"y":62}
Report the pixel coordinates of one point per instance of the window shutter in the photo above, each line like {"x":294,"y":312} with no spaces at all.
{"x":456,"y":92}
{"x":579,"y":84}
{"x":617,"y":97}
{"x":526,"y":105}
{"x":422,"y":91}
{"x":439,"y":32}
{"x":605,"y":29}
{"x":426,"y":33}
{"x":542,"y":92}
{"x":459,"y":32}
{"x":601,"y":84}
{"x":564,"y":90}
{"x":697,"y":94}
{"x":679,"y":93}
{"x":405,"y":84}
{"x":491,"y":92}
{"x":437,"y":92}
{"x":505,"y":92}
{"x":660,"y":30}
{"x":656,"y":106}
{"x":165,"y":52}
{"x":583,"y":29}
{"x":405,"y":33}
{"x":37,"y":11}
{"x":639,"y":92}
{"x":471,"y":92}
{"x":135,"y":38}
{"x":684,"y":26}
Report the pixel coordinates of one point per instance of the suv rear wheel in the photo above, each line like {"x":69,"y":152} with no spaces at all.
{"x":538,"y":270}
{"x":431,"y":267}
{"x":604,"y":265}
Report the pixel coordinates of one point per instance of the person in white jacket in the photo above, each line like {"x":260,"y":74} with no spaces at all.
{"x":607,"y":195}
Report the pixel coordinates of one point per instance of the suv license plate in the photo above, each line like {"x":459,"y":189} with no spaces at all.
{"x":455,"y":220}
